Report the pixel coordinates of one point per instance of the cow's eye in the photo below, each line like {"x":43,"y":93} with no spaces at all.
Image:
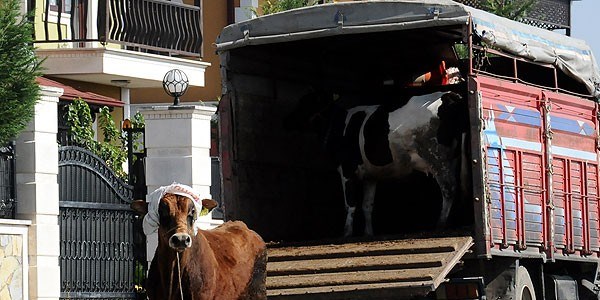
{"x":163,"y":213}
{"x":163,"y":209}
{"x":191,"y":215}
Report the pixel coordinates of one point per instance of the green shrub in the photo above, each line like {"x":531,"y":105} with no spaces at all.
{"x":511,"y":9}
{"x":274,"y":6}
{"x":19,"y":68}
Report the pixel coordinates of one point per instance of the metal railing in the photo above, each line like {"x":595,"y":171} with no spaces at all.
{"x":7,"y":182}
{"x":148,"y":25}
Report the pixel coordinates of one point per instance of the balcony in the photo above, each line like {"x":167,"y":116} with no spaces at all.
{"x":133,"y":41}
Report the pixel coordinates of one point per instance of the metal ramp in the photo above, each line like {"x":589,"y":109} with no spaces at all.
{"x":366,"y":270}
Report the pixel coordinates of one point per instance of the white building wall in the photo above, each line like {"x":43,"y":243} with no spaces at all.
{"x":246,"y":11}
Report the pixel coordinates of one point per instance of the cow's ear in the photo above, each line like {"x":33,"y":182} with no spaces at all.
{"x":451,"y":97}
{"x":207,"y":206}
{"x":140,"y":207}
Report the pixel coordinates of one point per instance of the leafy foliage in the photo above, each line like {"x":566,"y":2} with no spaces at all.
{"x":461,"y":51}
{"x":274,"y":6}
{"x":138,"y":122}
{"x":19,"y":68}
{"x":511,"y":9}
{"x":113,"y":148}
{"x":79,"y":119}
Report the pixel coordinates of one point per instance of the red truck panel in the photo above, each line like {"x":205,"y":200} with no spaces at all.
{"x":522,"y":207}
{"x":575,"y":176}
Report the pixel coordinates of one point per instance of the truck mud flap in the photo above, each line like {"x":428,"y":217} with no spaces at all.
{"x":365,"y":270}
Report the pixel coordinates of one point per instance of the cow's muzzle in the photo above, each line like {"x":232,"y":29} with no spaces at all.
{"x":180,"y":241}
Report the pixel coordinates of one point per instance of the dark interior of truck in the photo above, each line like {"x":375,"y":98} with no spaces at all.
{"x":286,"y":177}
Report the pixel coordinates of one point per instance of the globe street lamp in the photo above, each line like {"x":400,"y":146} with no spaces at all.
{"x":175,"y":84}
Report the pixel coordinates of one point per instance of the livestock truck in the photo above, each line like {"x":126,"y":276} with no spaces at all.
{"x":527,"y":225}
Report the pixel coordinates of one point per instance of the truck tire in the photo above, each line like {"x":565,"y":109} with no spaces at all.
{"x":524,"y":285}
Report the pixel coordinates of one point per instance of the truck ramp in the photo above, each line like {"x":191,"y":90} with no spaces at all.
{"x":364,"y":270}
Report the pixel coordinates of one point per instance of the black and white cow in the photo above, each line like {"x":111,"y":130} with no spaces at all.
{"x":377,"y":142}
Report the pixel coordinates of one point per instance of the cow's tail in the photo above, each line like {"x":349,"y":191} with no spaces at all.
{"x":257,"y":288}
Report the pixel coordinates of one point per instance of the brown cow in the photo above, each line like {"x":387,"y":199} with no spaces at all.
{"x":228,"y":262}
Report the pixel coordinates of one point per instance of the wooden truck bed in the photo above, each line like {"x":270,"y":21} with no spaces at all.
{"x":365,"y":270}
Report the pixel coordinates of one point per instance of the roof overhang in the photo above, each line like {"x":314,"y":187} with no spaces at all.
{"x":118,"y":67}
{"x":70,"y":93}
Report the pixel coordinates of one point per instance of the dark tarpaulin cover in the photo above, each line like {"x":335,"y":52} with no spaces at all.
{"x":574,"y":57}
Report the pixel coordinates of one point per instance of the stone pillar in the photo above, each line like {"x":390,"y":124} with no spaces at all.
{"x":178,"y":150}
{"x":37,"y":194}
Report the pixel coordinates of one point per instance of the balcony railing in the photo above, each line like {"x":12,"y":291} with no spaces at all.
{"x":150,"y":25}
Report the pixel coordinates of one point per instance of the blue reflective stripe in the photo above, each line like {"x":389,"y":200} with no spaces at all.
{"x":517,"y":143}
{"x":571,"y":125}
{"x":562,"y":151}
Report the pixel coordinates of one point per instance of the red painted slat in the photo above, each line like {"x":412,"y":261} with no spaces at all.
{"x":560,"y":202}
{"x":593,"y":215}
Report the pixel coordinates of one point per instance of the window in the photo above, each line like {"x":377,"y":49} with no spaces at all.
{"x":65,"y":5}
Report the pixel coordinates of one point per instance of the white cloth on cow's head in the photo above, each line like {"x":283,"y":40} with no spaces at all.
{"x":152,"y":220}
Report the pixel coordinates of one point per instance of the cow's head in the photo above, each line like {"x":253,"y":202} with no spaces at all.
{"x":177,"y":216}
{"x":310,"y":112}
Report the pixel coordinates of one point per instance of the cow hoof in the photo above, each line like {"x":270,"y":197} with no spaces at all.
{"x":348,"y":232}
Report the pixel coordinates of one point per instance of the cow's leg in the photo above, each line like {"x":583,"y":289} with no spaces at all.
{"x":369,"y":188}
{"x":349,"y":202}
{"x":447,"y":182}
{"x":349,"y":220}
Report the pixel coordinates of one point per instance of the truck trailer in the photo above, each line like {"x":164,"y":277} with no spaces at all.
{"x":527,"y":225}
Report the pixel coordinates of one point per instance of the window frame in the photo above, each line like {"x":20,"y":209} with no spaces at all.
{"x":65,"y":3}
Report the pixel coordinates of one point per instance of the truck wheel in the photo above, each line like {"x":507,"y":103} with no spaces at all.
{"x":524,"y":285}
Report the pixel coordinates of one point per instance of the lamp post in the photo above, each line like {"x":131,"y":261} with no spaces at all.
{"x":175,"y":84}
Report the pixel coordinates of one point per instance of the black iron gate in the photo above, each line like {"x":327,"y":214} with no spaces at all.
{"x":7,"y":182}
{"x":102,"y":250}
